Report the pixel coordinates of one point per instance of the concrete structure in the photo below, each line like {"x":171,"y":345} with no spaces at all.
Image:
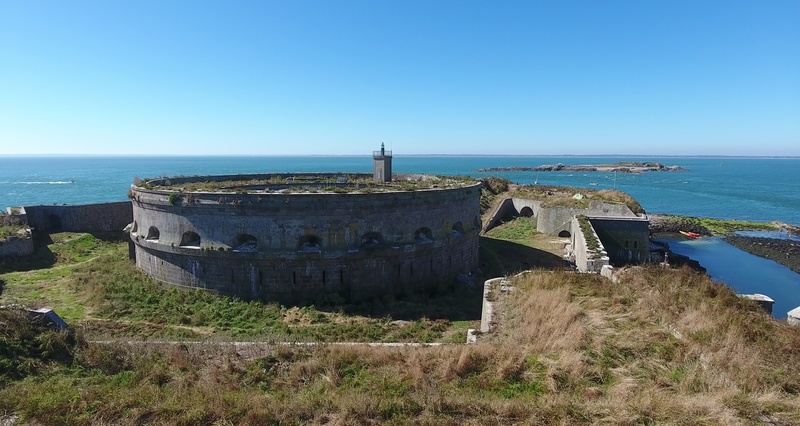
{"x":623,"y":235}
{"x":764,"y":301}
{"x":625,"y":239}
{"x":492,"y":289}
{"x":17,"y":246}
{"x":382,"y":165}
{"x":793,"y":317}
{"x":20,"y":244}
{"x":586,"y":258}
{"x":269,"y":242}
{"x":555,"y":220}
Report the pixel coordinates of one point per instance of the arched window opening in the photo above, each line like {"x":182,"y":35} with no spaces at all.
{"x":371,"y":240}
{"x":458,"y":229}
{"x":190,"y":239}
{"x":245,"y":243}
{"x":423,"y":236}
{"x":310,"y":243}
{"x":564,"y":234}
{"x":152,"y":234}
{"x":526,"y":212}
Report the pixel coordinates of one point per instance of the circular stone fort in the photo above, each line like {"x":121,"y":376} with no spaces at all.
{"x":294,"y":237}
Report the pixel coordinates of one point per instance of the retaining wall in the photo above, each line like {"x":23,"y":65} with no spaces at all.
{"x":104,"y":217}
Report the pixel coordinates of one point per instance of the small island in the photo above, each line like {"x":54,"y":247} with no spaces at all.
{"x":620,"y":167}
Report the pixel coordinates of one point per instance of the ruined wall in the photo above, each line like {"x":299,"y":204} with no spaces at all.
{"x":104,"y":217}
{"x":626,"y":240}
{"x":302,"y":245}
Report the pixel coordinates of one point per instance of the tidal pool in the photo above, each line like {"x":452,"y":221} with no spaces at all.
{"x":744,"y":272}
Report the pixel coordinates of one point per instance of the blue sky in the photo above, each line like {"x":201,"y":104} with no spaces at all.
{"x":426,"y":77}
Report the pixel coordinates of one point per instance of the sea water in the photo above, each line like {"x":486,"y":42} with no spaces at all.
{"x":758,"y":189}
{"x":746,"y":273}
{"x":752,"y":189}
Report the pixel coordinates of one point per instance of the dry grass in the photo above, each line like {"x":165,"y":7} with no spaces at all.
{"x":659,"y":347}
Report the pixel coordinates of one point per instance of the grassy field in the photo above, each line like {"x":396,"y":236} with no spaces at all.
{"x":93,"y":285}
{"x":659,"y":347}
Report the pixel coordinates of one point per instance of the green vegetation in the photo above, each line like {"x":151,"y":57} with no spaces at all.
{"x":726,"y":226}
{"x":515,"y":246}
{"x":563,"y":196}
{"x":9,"y":226}
{"x":592,"y":243}
{"x":659,"y":347}
{"x":306,"y":183}
{"x":93,"y":285}
{"x":490,"y":189}
{"x":660,"y":223}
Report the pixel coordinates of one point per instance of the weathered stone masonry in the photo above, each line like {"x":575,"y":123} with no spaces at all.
{"x":292,"y":247}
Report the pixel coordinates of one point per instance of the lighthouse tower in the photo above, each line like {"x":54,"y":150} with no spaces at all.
{"x":382,"y":165}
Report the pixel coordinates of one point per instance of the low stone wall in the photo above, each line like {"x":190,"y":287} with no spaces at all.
{"x":491,"y":291}
{"x":103,"y":217}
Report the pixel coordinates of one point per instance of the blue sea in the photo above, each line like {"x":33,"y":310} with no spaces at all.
{"x":753,"y":189}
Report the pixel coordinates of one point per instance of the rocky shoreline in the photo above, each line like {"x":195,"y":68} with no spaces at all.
{"x":622,"y":167}
{"x":665,"y":226}
{"x":784,"y":251}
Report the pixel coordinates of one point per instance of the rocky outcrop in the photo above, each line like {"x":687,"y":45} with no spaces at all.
{"x":623,"y":167}
{"x":784,"y":251}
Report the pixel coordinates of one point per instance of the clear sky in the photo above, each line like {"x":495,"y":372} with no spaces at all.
{"x":425,"y":77}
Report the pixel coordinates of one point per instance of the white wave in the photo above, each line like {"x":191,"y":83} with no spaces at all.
{"x":56,"y":182}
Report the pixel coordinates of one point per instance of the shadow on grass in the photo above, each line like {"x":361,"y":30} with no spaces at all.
{"x":452,"y":304}
{"x":110,"y":236}
{"x":501,"y":257}
{"x":41,"y":258}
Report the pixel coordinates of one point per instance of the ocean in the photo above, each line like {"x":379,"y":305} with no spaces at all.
{"x":759,"y":189}
{"x":753,"y":189}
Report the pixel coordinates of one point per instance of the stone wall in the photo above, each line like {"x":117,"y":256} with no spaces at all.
{"x":104,"y":217}
{"x":626,"y":239}
{"x":299,"y":246}
{"x":586,"y":260}
{"x":16,"y":246}
{"x":503,"y":210}
{"x":554,"y":220}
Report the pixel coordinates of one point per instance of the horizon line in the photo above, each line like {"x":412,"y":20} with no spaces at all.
{"x":406,"y":155}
